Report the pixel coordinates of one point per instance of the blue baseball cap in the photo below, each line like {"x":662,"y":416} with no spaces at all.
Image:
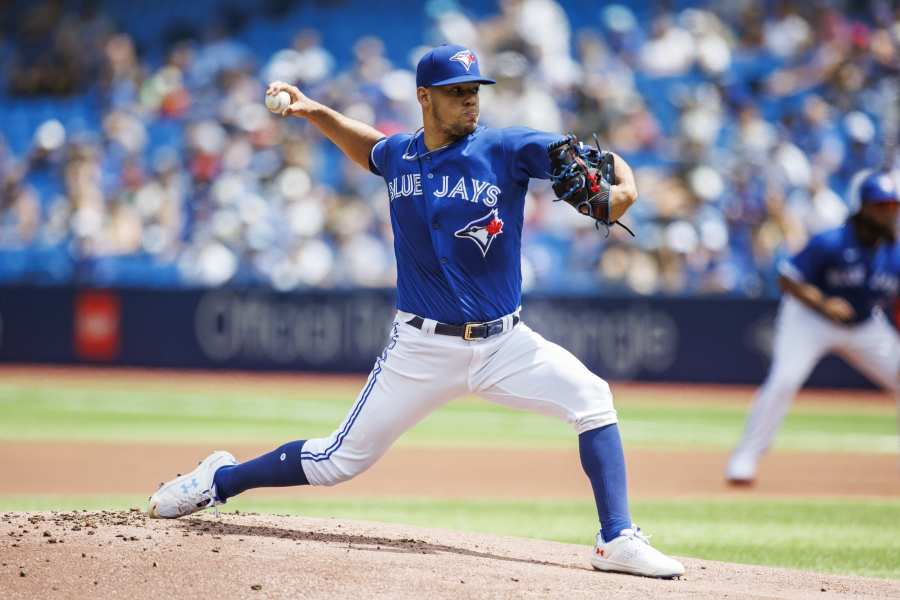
{"x":449,"y":64}
{"x":871,"y":186}
{"x":877,"y":188}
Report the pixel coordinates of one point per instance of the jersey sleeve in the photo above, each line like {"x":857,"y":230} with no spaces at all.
{"x":376,"y":156}
{"x":807,"y":265}
{"x":527,"y":152}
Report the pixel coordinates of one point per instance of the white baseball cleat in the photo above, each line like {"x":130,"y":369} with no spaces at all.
{"x":189,"y":493}
{"x":741,"y":469}
{"x":632,"y":553}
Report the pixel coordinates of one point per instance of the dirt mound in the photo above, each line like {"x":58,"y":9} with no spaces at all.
{"x":124,"y":554}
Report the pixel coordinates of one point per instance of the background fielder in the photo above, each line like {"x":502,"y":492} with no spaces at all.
{"x":456,"y":200}
{"x":836,"y":291}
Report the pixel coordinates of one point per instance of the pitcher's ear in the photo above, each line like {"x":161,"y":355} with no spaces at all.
{"x":423,"y":95}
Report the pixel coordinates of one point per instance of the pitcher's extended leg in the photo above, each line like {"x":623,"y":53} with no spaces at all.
{"x":410,"y":379}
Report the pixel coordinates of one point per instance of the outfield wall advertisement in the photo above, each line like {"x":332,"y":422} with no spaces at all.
{"x":648,"y":339}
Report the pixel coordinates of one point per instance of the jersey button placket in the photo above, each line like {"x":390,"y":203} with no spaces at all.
{"x":435,"y":224}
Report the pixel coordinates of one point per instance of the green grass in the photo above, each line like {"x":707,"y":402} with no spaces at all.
{"x":840,"y":536}
{"x":154,"y":413}
{"x":844,"y":536}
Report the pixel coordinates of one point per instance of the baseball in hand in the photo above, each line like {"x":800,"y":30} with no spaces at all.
{"x":278,"y":102}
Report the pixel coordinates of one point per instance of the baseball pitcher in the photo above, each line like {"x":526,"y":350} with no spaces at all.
{"x":456,"y":194}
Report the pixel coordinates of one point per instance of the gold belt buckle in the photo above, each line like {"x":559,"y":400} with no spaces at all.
{"x":467,"y":332}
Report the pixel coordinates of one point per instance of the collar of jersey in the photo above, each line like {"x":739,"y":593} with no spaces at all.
{"x":413,"y":145}
{"x":853,"y":242}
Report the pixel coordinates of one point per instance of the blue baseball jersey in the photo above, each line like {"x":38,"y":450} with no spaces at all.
{"x":836,"y":263}
{"x":457,"y":215}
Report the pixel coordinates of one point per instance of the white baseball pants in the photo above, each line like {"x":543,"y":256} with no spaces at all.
{"x":420,"y":371}
{"x":802,"y":338}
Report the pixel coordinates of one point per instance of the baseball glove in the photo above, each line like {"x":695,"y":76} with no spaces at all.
{"x":582,"y":176}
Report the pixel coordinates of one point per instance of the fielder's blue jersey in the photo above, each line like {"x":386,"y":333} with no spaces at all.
{"x":457,"y":216}
{"x":836,"y":263}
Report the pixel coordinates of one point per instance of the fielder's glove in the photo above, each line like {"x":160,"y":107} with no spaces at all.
{"x":582,"y":176}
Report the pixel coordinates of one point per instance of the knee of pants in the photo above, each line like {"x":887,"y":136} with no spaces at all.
{"x":338,"y":468}
{"x":783,"y":384}
{"x":596,"y":408}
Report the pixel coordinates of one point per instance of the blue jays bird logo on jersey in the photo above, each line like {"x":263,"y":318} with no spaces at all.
{"x":482,"y":231}
{"x":465,"y":58}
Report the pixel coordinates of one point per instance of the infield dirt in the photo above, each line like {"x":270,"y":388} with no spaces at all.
{"x":126,"y":555}
{"x":71,"y":468}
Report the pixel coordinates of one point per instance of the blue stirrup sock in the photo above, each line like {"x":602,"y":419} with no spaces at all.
{"x":278,"y":468}
{"x":603,"y":461}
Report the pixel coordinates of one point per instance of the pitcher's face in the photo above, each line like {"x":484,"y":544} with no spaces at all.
{"x":454,"y":108}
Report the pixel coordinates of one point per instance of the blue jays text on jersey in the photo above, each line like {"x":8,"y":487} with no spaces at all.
{"x":470,"y":189}
{"x":457,"y":215}
{"x":836,"y":263}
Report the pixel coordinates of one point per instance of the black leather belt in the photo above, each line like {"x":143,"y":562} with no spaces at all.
{"x":469,"y":331}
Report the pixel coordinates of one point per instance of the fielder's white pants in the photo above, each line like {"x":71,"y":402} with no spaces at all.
{"x":802,"y":338}
{"x":420,"y":371}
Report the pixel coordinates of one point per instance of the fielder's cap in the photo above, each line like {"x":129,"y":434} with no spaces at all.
{"x":449,"y":64}
{"x":878,"y":187}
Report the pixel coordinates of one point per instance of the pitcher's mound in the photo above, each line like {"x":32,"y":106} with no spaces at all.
{"x":125,"y":555}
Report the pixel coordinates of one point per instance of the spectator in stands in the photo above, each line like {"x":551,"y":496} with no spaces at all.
{"x":743,"y":127}
{"x":20,"y":211}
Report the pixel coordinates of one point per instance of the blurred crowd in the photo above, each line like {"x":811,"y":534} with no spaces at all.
{"x":744,"y":127}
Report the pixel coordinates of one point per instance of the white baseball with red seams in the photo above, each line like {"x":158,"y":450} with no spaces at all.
{"x":278,"y":102}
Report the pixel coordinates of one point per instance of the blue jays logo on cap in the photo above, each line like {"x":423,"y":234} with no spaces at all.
{"x":482,"y":231}
{"x":449,"y":64}
{"x":465,"y":58}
